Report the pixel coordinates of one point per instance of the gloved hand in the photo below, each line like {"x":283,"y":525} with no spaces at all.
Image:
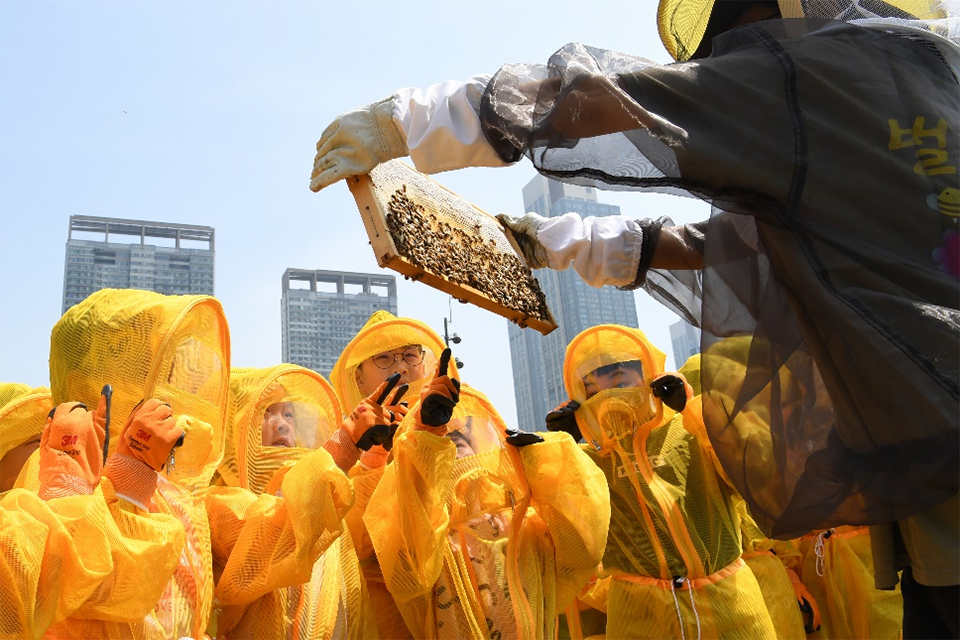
{"x":371,"y":423}
{"x":522,"y":438}
{"x":808,"y":605}
{"x":673,"y":389}
{"x":376,"y":456}
{"x":146,"y":444}
{"x":356,"y":142}
{"x":524,"y":230}
{"x":438,"y":398}
{"x":72,"y":448}
{"x":151,"y":434}
{"x":562,"y":419}
{"x":399,"y":411}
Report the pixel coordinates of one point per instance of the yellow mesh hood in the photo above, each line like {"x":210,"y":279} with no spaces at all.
{"x":23,"y":412}
{"x":146,"y":345}
{"x":613,"y":413}
{"x":383,"y":332}
{"x":606,"y":344}
{"x":247,"y":462}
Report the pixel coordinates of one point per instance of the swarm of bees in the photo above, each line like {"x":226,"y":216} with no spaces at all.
{"x":459,"y":254}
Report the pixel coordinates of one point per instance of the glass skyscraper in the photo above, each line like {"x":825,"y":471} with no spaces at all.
{"x":538,"y":359}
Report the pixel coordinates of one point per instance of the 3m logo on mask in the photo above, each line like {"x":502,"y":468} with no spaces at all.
{"x":654,"y":461}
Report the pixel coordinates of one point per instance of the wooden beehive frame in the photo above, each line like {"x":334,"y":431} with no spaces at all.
{"x":457,"y":228}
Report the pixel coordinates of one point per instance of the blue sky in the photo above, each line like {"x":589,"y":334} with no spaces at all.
{"x":207,"y":112}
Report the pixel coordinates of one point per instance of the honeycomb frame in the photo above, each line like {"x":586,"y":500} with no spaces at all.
{"x":418,"y":228}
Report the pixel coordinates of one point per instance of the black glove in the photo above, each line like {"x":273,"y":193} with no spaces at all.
{"x":522,"y":438}
{"x":402,"y":389}
{"x":672,"y":390}
{"x":562,"y":419}
{"x":440,"y":395}
{"x":806,"y":611}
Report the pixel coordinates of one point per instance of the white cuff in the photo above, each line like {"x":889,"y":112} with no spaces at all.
{"x":604,"y":251}
{"x":442,"y":126}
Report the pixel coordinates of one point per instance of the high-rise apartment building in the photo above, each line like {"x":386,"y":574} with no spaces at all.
{"x":538,"y":359}
{"x":685,"y":340}
{"x":321,"y":311}
{"x":166,"y":257}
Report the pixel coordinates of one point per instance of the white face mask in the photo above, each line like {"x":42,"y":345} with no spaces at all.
{"x":614,"y":413}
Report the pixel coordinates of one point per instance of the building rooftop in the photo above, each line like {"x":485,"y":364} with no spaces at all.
{"x":141,"y":228}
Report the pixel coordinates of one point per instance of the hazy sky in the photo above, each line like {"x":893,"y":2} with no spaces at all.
{"x":208,"y":112}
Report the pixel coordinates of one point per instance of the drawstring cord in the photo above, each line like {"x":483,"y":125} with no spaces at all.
{"x":678,"y":581}
{"x":676,"y":603}
{"x":694,"y":605}
{"x":818,"y":549}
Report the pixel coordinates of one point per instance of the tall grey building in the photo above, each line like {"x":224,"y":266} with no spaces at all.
{"x":165,"y":257}
{"x":685,"y":340}
{"x":321,"y":311}
{"x":538,"y":359}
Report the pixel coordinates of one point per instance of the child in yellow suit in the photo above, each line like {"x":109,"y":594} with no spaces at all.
{"x":279,"y":415}
{"x":673,"y":563}
{"x":481,"y":532}
{"x":176,"y":349}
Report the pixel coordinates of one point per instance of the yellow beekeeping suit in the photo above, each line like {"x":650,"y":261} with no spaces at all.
{"x":382,"y":332}
{"x":768,"y":567}
{"x":672,"y":565}
{"x":177,"y":349}
{"x":759,"y":552}
{"x":333,"y":602}
{"x":837,"y":568}
{"x":80,"y":556}
{"x":493,"y":543}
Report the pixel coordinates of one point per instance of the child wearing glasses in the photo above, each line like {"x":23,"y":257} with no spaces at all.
{"x":386,"y":346}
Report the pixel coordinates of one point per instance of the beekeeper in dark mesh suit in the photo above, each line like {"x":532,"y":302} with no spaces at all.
{"x":825,"y":135}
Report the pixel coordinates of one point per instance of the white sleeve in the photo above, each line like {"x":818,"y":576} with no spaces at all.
{"x":442,"y":128}
{"x":604,"y":251}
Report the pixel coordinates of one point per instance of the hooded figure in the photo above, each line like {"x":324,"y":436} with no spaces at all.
{"x":149,"y":345}
{"x":176,"y":349}
{"x":278,"y":416}
{"x":23,"y":412}
{"x":68,"y":548}
{"x":383,"y":333}
{"x":478,"y":538}
{"x":672,"y":565}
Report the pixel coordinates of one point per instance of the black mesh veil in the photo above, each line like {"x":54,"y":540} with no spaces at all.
{"x":829,"y":289}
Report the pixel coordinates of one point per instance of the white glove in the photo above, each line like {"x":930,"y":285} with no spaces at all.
{"x":524,"y":230}
{"x":604,"y":251}
{"x":356,"y":142}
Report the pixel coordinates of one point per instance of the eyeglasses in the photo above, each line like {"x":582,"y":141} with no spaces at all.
{"x":412,"y":356}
